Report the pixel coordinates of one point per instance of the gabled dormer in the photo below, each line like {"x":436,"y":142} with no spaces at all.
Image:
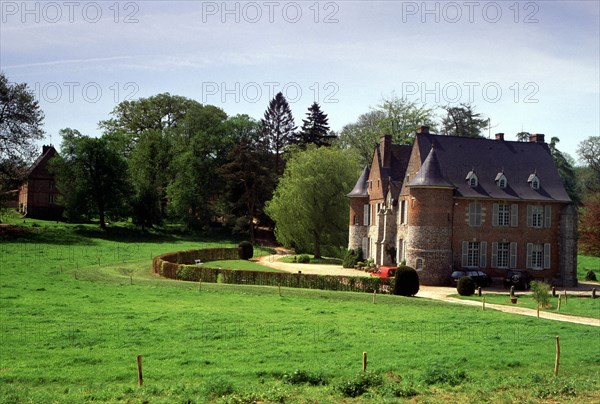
{"x":501,"y":180}
{"x":534,"y":181}
{"x":472,"y":179}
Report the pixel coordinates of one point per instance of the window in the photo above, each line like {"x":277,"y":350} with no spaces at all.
{"x":51,"y":199}
{"x":501,"y":180}
{"x":356,"y":222}
{"x":404,"y":212}
{"x":505,"y":215}
{"x":472,"y":179}
{"x":474,"y":214}
{"x":539,"y":216}
{"x":419,"y":264}
{"x":474,"y":254}
{"x":504,"y":255}
{"x":538,"y":256}
{"x":400,"y":252}
{"x":51,"y":185}
{"x":366,"y":214}
{"x":534,"y":181}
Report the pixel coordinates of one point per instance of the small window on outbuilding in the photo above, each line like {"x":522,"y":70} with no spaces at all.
{"x":534,"y":181}
{"x":419,"y":264}
{"x":472,"y":179}
{"x":501,"y":180}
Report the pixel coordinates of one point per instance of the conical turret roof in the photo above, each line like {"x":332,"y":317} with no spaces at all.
{"x":430,"y":174}
{"x":360,"y":189}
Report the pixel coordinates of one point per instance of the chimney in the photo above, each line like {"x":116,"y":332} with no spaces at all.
{"x":385,"y":150}
{"x":424,"y":129}
{"x":500,"y":136}
{"x":45,"y":149}
{"x":536,"y":138}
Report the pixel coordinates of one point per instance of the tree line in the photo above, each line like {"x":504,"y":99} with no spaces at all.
{"x":170,"y":158}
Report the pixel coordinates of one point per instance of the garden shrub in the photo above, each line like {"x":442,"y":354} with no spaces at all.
{"x":466,"y":286}
{"x":350,"y":259}
{"x":541,"y":293}
{"x":303,"y":259}
{"x":406,"y":281}
{"x":359,"y":384}
{"x":246,"y":250}
{"x":590,"y":276}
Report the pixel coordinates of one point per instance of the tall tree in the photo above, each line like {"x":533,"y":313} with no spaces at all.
{"x":564,"y":164}
{"x":158,"y":113}
{"x":278,"y":126}
{"x":200,"y":146}
{"x":523,"y":136}
{"x":463,"y":121}
{"x":92,"y":177}
{"x":589,"y":225}
{"x":395,"y":116}
{"x":247,"y":175}
{"x":309,"y":205}
{"x":21,"y":122}
{"x":315,"y":128}
{"x":589,"y":151}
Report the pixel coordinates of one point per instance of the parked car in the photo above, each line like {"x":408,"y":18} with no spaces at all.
{"x":480,"y":278}
{"x":518,"y":279}
{"x":385,"y":272}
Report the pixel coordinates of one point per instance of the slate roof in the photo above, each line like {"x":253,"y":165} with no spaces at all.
{"x":457,"y":156}
{"x":48,"y":153}
{"x":430,"y":174}
{"x":360,"y":189}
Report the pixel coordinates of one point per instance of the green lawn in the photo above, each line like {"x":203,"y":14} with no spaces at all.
{"x":575,"y":306}
{"x":77,"y":306}
{"x":313,"y":260}
{"x":240,"y":264}
{"x":587,"y":263}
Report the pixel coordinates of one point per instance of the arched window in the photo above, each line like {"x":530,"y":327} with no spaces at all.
{"x":472,"y":179}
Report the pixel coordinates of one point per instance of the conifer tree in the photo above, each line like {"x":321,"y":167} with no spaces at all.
{"x":315,"y":128}
{"x":278,"y":126}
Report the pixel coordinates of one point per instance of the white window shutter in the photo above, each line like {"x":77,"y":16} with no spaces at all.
{"x":529,"y":252}
{"x":547,"y":216}
{"x":529,"y":216}
{"x":514,"y":215}
{"x":483,"y":254}
{"x":366,"y":215}
{"x":495,"y":213}
{"x":494,"y":254}
{"x":547,"y":256}
{"x":464,"y":256}
{"x":513,"y":255}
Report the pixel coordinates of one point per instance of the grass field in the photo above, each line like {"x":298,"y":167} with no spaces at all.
{"x":585,"y":264}
{"x":313,"y":260}
{"x":575,"y":305}
{"x":78,"y":305}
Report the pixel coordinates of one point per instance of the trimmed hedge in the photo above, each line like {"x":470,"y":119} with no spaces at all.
{"x":466,"y":286}
{"x":186,"y":272}
{"x":246,"y":250}
{"x":406,"y":281}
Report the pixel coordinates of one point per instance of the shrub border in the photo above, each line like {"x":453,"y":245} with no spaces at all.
{"x":180,"y":265}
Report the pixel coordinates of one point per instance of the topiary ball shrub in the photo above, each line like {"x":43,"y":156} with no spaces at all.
{"x":590,"y":276}
{"x":406,"y":281}
{"x":350,"y":259}
{"x":247,"y":250}
{"x":304,"y":259}
{"x":466,"y":286}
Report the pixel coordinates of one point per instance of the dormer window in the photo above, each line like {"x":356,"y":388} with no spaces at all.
{"x":501,"y":180}
{"x":472,"y":179}
{"x":534,"y":181}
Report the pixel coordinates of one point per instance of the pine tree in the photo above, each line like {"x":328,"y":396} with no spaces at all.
{"x":278,"y":126}
{"x":315,"y":128}
{"x":463,"y":121}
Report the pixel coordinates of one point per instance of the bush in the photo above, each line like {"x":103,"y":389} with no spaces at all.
{"x":438,"y":373}
{"x":466,"y":286}
{"x":590,"y":276}
{"x":358,"y":385}
{"x":406,"y":281}
{"x":350,"y":259}
{"x":246,"y":250}
{"x":303,"y":377}
{"x":303,"y":259}
{"x":541,"y":293}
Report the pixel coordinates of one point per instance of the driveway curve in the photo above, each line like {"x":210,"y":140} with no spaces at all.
{"x":440,"y":293}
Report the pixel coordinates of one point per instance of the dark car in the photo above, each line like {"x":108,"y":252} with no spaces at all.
{"x":518,"y":279}
{"x":480,"y":278}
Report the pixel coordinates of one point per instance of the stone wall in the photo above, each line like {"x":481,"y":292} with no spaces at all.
{"x":567,"y":268}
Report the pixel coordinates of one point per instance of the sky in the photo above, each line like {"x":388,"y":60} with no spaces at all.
{"x":527,"y":65}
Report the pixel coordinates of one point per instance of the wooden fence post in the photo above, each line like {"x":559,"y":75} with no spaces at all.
{"x":139,"y":366}
{"x":559,"y":299}
{"x":374,"y":292}
{"x":593,"y":293}
{"x":538,"y":311}
{"x":566,"y":298}
{"x":364,"y":362}
{"x":483,"y":303}
{"x":557,"y":361}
